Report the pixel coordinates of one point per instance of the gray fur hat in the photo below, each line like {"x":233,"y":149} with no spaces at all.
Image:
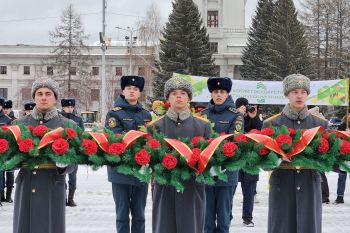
{"x":296,"y":81}
{"x":177,"y":83}
{"x":45,"y":82}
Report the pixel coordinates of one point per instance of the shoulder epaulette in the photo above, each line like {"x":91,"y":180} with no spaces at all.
{"x":116,"y":108}
{"x":155,"y":120}
{"x":231,"y":109}
{"x":273,"y":117}
{"x":319,"y":117}
{"x":8,"y":117}
{"x":201,"y":118}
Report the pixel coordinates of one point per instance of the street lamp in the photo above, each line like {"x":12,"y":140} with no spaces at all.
{"x":131,"y":41}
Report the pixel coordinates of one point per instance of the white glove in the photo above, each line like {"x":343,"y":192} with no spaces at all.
{"x":213,"y":172}
{"x":278,"y":162}
{"x":61,"y":165}
{"x":347,"y":164}
{"x":143,"y":169}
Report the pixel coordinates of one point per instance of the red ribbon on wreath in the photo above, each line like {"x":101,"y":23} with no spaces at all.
{"x":51,"y":136}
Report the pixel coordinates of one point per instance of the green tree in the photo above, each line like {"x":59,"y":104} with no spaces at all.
{"x":184,"y":46}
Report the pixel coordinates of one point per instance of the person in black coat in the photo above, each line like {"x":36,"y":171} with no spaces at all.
{"x":28,"y":108}
{"x":248,"y":182}
{"x":68,"y":106}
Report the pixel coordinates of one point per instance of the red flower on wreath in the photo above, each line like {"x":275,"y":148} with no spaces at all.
{"x":324,"y":146}
{"x":256,"y":131}
{"x":39,"y":130}
{"x":345,"y":147}
{"x":90,"y":147}
{"x":267,"y":131}
{"x":169,"y":161}
{"x":147,"y":136}
{"x":222,"y":133}
{"x":291,"y":131}
{"x":4,"y":145}
{"x":142,"y":157}
{"x":117,"y":135}
{"x":196,"y":154}
{"x":241,"y":138}
{"x":229,"y":149}
{"x":153,"y":143}
{"x":71,"y":133}
{"x":263,"y":151}
{"x":60,"y":146}
{"x":196,"y":140}
{"x":167,"y":105}
{"x":116,"y":148}
{"x":30,"y":127}
{"x":26,"y":145}
{"x":283,"y":139}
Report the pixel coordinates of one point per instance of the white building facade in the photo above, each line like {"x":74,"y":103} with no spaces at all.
{"x":225,"y":22}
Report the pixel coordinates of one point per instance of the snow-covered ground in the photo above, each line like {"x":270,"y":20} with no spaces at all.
{"x":95,"y":211}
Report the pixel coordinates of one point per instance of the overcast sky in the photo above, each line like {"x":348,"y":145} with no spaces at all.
{"x":28,"y":22}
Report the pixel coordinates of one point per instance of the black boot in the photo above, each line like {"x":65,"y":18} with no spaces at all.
{"x":71,"y":202}
{"x":339,"y":200}
{"x":2,"y":197}
{"x":8,"y":195}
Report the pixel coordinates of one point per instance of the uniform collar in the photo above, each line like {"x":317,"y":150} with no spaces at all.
{"x":291,"y":114}
{"x":222,"y":107}
{"x":178,"y":116}
{"x":44,"y":116}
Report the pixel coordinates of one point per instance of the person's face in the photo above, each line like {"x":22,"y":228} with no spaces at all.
{"x":68,"y":109}
{"x":45,"y":99}
{"x":297,"y":99}
{"x":219,"y":96}
{"x":7,"y":111}
{"x":27,"y":112}
{"x":131,"y":93}
{"x":178,"y":100}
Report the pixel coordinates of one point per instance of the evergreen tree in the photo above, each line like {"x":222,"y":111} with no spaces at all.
{"x":288,"y":50}
{"x":254,"y":56}
{"x":184,"y":47}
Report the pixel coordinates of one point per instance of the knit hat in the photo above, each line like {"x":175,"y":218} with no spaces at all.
{"x":296,"y":81}
{"x":217,"y":83}
{"x":177,"y":83}
{"x":131,"y":80}
{"x":45,"y":82}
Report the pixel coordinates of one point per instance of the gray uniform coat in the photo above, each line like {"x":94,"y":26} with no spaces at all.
{"x":40,"y":197}
{"x":173,"y":211}
{"x":295,"y":200}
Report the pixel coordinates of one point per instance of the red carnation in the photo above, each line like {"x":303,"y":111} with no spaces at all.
{"x":60,"y":146}
{"x":241,"y":138}
{"x":167,"y":105}
{"x":256,"y":131}
{"x":169,"y":161}
{"x":153,"y":143}
{"x":291,"y":131}
{"x":30,"y":127}
{"x":147,"y":136}
{"x":117,"y":135}
{"x":229,"y":149}
{"x":39,"y":130}
{"x":196,"y":154}
{"x":267,"y":131}
{"x":26,"y":145}
{"x":345,"y":147}
{"x":324,"y":146}
{"x":283,"y":139}
{"x":4,"y":128}
{"x":90,"y":147}
{"x":71,"y":133}
{"x":4,"y":146}
{"x":142,"y":157}
{"x":116,"y":148}
{"x":222,"y":133}
{"x":263,"y":151}
{"x":196,"y":140}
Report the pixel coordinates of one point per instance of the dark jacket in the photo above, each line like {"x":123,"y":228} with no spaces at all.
{"x":173,"y":211}
{"x":4,"y":119}
{"x":122,"y":118}
{"x":40,"y":198}
{"x":74,"y":118}
{"x":227,"y":120}
{"x":295,"y":195}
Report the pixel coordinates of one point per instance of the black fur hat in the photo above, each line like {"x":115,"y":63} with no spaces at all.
{"x":131,"y":80}
{"x":216,"y":83}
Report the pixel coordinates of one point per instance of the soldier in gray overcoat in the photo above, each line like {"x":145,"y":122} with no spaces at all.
{"x":40,"y":193}
{"x":295,"y":199}
{"x":174,"y":211}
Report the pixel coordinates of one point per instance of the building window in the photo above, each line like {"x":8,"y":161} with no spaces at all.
{"x":49,"y":70}
{"x":214,"y":47}
{"x":3,"y":92}
{"x":26,"y":70}
{"x":73,"y":70}
{"x":118,"y":71}
{"x":95,"y":94}
{"x":95,"y":70}
{"x":213,"y":19}
{"x":217,"y":70}
{"x":142,"y":71}
{"x":26,"y":94}
{"x":3,"y":69}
